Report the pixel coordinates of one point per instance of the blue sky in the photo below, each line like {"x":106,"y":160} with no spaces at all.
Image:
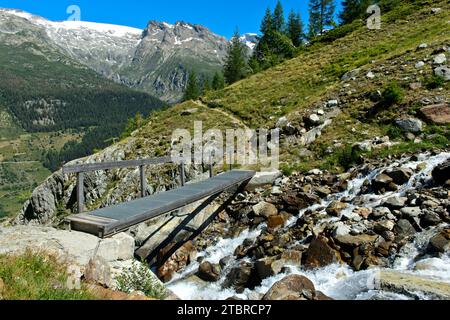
{"x":222,"y":17}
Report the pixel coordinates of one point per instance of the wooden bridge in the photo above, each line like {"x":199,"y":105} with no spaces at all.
{"x":111,"y":220}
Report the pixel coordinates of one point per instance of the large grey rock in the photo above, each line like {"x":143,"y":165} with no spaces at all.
{"x":411,"y":212}
{"x":422,"y":46}
{"x":382,"y":182}
{"x":437,"y":113}
{"x":290,"y":288}
{"x":380,"y":212}
{"x":442,"y":173}
{"x":395,"y":202}
{"x":440,"y":59}
{"x":400,"y":175}
{"x":264,"y":178}
{"x":404,"y":229}
{"x":443,"y":72}
{"x":79,"y":248}
{"x":268,"y":267}
{"x":320,"y":254}
{"x":314,"y":120}
{"x":99,"y":271}
{"x":420,"y":65}
{"x":265,"y":209}
{"x":410,"y":125}
{"x":440,"y":243}
{"x":412,"y":284}
{"x":41,"y":208}
{"x":209,"y":272}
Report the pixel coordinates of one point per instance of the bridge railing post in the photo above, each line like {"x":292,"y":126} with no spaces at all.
{"x":182,"y":174}
{"x":143,"y":181}
{"x":211,"y":165}
{"x":80,"y":192}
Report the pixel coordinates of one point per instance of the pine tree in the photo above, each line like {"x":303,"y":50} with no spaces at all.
{"x":278,"y":23}
{"x":236,"y":67}
{"x":218,"y":81}
{"x":192,"y":90}
{"x":321,"y":15}
{"x":206,"y":85}
{"x":353,"y":9}
{"x":295,"y":28}
{"x":266,"y":24}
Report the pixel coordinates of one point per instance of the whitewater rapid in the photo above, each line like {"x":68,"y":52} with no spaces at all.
{"x":337,"y":281}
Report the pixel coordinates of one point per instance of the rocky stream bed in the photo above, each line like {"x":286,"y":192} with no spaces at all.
{"x":380,"y":231}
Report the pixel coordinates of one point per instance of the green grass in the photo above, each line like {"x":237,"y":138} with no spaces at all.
{"x":37,"y":276}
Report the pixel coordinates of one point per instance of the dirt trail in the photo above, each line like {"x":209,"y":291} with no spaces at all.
{"x":228,"y":115}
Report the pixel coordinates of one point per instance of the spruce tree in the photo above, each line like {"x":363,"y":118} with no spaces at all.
{"x":192,"y":90}
{"x":266,"y":24}
{"x":321,"y":15}
{"x":353,"y":9}
{"x":295,"y":28}
{"x":218,"y":81}
{"x":206,"y":85}
{"x":236,"y":67}
{"x":278,"y":23}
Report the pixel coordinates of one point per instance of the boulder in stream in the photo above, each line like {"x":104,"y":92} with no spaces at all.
{"x":294,"y":287}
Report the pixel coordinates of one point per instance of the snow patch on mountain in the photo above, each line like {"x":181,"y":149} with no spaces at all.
{"x":110,"y":29}
{"x":250,"y":40}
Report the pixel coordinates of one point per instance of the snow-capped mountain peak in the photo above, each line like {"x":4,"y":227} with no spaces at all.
{"x":250,"y":40}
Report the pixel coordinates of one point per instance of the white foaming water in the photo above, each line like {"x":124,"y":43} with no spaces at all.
{"x":337,"y":281}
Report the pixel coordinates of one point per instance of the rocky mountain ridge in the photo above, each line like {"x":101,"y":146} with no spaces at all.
{"x":156,"y":59}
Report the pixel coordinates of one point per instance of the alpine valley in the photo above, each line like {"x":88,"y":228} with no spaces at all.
{"x":359,"y":208}
{"x":68,"y":88}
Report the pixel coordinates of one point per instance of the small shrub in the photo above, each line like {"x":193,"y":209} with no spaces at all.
{"x":392,"y":94}
{"x":345,"y":158}
{"x":434,"y":82}
{"x":287,"y":170}
{"x":394,"y":132}
{"x":139,"y":278}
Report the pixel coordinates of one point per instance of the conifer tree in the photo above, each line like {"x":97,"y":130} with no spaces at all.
{"x":266,"y":24}
{"x":218,"y":81}
{"x":236,"y":67}
{"x":192,"y":90}
{"x":321,"y":15}
{"x":278,"y":23}
{"x":353,"y":9}
{"x":295,"y":28}
{"x":206,"y":85}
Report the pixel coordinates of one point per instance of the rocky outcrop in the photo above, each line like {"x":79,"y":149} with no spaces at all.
{"x":415,"y":285}
{"x":85,"y":255}
{"x":78,"y":247}
{"x":42,"y":207}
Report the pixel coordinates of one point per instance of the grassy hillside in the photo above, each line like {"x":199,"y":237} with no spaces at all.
{"x":304,"y":84}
